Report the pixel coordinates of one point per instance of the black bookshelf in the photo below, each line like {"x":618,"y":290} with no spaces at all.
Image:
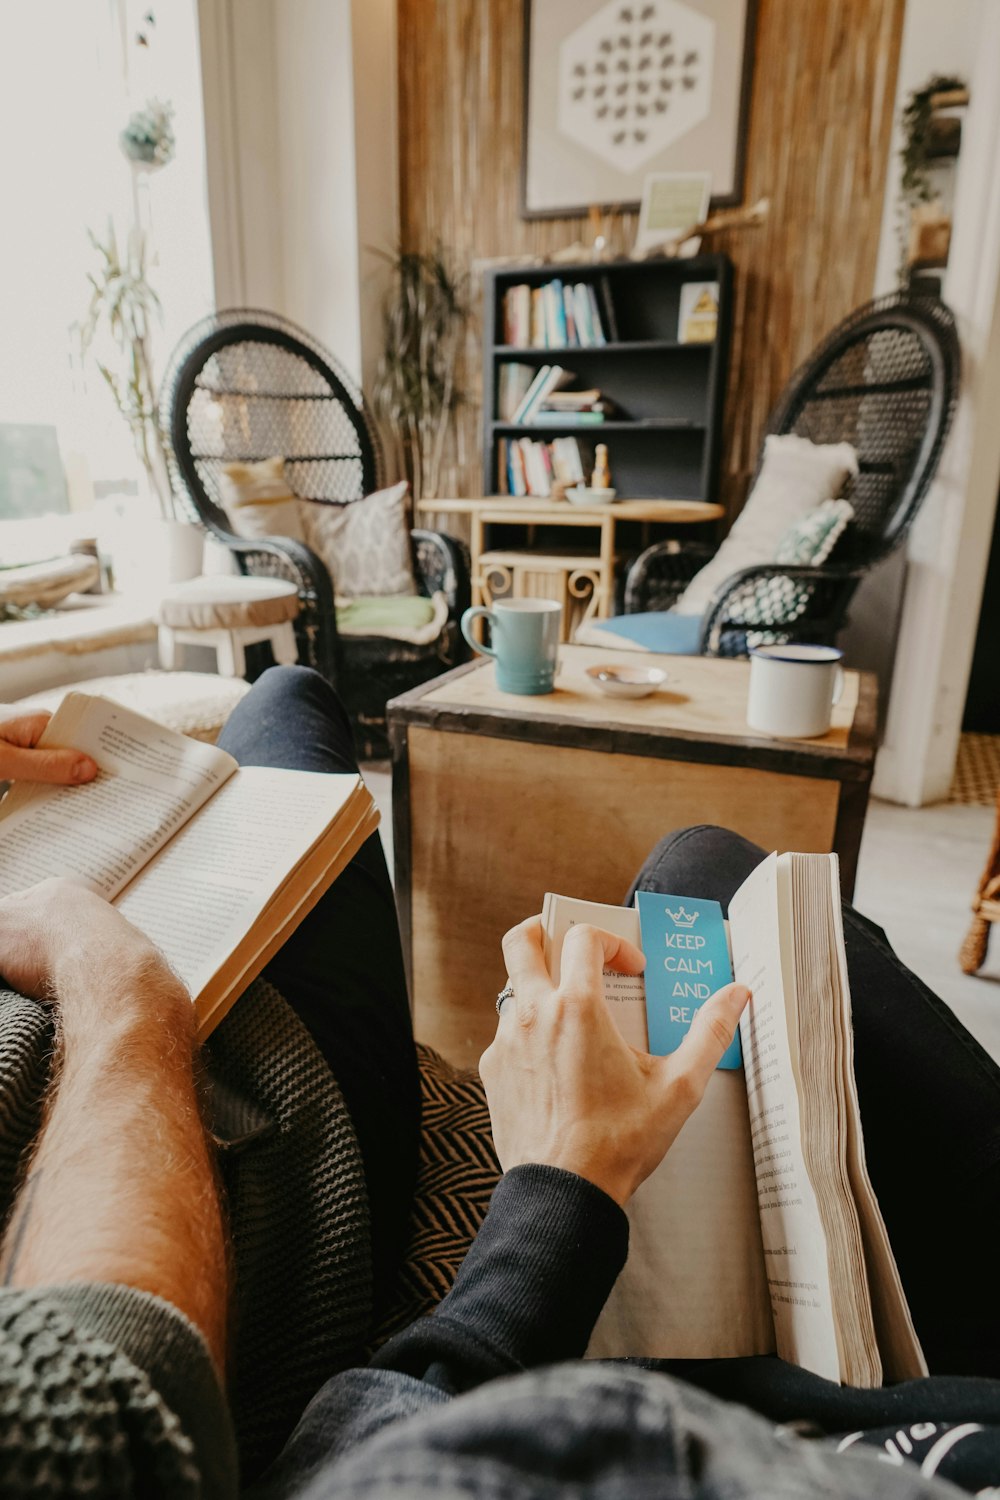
{"x":663,"y":441}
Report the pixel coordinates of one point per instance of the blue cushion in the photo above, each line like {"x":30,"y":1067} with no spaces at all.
{"x":657,"y":630}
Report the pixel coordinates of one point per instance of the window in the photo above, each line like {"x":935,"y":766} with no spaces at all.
{"x":70,"y":75}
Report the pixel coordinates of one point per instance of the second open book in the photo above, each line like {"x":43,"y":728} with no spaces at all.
{"x":760,"y":1231}
{"x":217,"y":864}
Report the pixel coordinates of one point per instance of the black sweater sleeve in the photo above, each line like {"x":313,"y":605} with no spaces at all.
{"x":530,"y":1289}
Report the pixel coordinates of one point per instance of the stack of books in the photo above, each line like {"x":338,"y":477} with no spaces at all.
{"x":557,"y":316}
{"x":538,"y":397}
{"x":528,"y":467}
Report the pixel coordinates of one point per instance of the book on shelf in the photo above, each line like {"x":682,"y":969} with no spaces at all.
{"x":698,"y":313}
{"x":216,"y":863}
{"x":517,"y":315}
{"x":572,"y":400}
{"x":567,"y":418}
{"x":557,"y":315}
{"x":610,"y":318}
{"x":513,"y":383}
{"x":760,"y":1231}
{"x":528,"y":467}
{"x":548,"y":379}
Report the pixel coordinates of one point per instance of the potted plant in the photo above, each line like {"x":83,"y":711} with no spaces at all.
{"x":122,"y":306}
{"x":417,"y":386}
{"x":924,"y":226}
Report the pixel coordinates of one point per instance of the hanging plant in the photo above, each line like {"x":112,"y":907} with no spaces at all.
{"x":416,"y":391}
{"x":915,"y":184}
{"x":148,"y":138}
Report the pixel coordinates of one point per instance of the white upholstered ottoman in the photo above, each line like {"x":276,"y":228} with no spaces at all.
{"x":229,"y":613}
{"x":193,"y":703}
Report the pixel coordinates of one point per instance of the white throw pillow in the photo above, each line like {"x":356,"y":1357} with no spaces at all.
{"x":365,"y":544}
{"x":259,"y":501}
{"x":795,"y":476}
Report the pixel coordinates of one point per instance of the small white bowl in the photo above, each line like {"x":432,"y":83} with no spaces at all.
{"x":581,"y":495}
{"x":619,"y":681}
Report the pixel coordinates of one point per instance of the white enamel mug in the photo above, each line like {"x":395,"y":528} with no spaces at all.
{"x":793,"y":689}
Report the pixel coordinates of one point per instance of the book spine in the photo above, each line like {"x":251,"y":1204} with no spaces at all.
{"x":581,"y":305}
{"x":518,"y":473}
{"x":577,"y":461}
{"x":610,"y":318}
{"x":559,"y":311}
{"x":551,"y":323}
{"x":503,"y":470}
{"x":547,"y":466}
{"x":598,"y":330}
{"x":550,"y":378}
{"x":537,"y":318}
{"x":571,"y":335}
{"x":568,"y":418}
{"x":531,"y":395}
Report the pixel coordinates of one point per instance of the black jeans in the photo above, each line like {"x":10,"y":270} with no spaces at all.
{"x":342,"y":969}
{"x":930,"y":1095}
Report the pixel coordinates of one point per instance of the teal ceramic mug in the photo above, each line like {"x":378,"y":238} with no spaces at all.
{"x":524,"y":642}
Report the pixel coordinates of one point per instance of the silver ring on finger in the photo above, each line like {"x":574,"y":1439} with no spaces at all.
{"x":507,"y":993}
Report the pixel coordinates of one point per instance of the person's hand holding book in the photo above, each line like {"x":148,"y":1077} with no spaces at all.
{"x":21,"y":759}
{"x":564,"y":1087}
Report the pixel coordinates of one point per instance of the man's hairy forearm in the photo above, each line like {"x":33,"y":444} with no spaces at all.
{"x":121,"y":1187}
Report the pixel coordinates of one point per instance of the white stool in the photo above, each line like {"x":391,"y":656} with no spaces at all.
{"x":229,"y":614}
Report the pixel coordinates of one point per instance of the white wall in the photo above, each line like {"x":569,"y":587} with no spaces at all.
{"x":300,"y":107}
{"x":949,"y":548}
{"x":937,"y":39}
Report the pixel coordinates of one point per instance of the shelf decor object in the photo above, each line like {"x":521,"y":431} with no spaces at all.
{"x":616,"y":89}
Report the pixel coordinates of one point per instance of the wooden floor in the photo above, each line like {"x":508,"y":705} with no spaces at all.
{"x":916,"y":877}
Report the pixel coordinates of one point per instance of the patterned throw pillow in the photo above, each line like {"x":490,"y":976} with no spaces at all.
{"x":807,"y":543}
{"x":259,"y":501}
{"x":365,"y":544}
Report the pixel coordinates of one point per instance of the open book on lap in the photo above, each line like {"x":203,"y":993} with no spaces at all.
{"x":760,"y":1232}
{"x":217,"y":864}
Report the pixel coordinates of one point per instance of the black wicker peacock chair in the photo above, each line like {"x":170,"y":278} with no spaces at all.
{"x":244,"y":385}
{"x":886,"y":381}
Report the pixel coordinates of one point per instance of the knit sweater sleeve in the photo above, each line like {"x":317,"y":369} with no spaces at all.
{"x":530,"y":1289}
{"x":107,"y":1391}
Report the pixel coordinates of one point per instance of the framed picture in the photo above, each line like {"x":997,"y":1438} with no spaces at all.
{"x":617,"y":89}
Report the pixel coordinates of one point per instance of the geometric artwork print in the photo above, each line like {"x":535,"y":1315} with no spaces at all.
{"x":634,"y":78}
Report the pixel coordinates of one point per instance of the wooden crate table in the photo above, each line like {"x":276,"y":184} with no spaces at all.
{"x":499,"y":798}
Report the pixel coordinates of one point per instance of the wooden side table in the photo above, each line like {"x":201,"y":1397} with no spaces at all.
{"x":497,"y":799}
{"x":573,"y":578}
{"x":502,"y":510}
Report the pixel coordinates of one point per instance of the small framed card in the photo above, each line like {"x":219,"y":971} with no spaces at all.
{"x":698,"y":314}
{"x":672,"y":202}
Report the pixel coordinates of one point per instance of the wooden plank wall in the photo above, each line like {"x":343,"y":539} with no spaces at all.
{"x":820,"y":124}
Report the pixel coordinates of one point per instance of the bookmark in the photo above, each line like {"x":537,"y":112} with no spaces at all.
{"x":687,"y":960}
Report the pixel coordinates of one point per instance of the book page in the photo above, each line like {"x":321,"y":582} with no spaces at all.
{"x":795,"y":1253}
{"x":899,"y":1346}
{"x":693,"y":1286}
{"x":151,"y":781}
{"x":205,"y":890}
